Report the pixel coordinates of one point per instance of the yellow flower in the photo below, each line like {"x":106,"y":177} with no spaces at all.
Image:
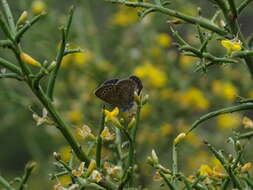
{"x":65,"y":153}
{"x":79,"y":171}
{"x":246,"y":167}
{"x":194,"y":139}
{"x":77,"y":59}
{"x":96,"y":176}
{"x":166,"y":129}
{"x":193,"y":98}
{"x":157,"y":177}
{"x":146,"y":110}
{"x":154,"y":76}
{"x":110,"y":115}
{"x":38,"y":6}
{"x":247,"y":122}
{"x":75,"y":116}
{"x":107,"y":135}
{"x":205,"y":170}
{"x":112,"y":170}
{"x":163,"y":39}
{"x":231,"y":46}
{"x":250,"y":95}
{"x":166,"y":94}
{"x":225,"y":90}
{"x":155,"y":51}
{"x":29,"y":60}
{"x":64,"y":180}
{"x":84,"y":132}
{"x":186,"y":61}
{"x":125,"y":16}
{"x":83,"y":57}
{"x":228,"y":121}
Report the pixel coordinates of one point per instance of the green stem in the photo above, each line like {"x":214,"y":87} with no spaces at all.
{"x":129,"y":168}
{"x":135,"y":129}
{"x":205,"y":23}
{"x":225,"y":184}
{"x":99,"y":140}
{"x":60,"y":55}
{"x":5,"y":184}
{"x":11,"y":75}
{"x":241,"y":107}
{"x":167,"y":181}
{"x":248,"y":181}
{"x":9,"y":17}
{"x":5,"y":43}
{"x":246,"y":135}
{"x":232,"y":7}
{"x":5,"y":28}
{"x":174,"y":160}
{"x":243,"y":5}
{"x":28,"y":171}
{"x":27,"y":26}
{"x":6,"y":64}
{"x":53,"y":75}
{"x":62,"y":126}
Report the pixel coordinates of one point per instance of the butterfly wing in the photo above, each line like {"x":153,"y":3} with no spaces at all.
{"x":138,"y":82}
{"x":125,"y":92}
{"x":111,"y":81}
{"x":107,"y":93}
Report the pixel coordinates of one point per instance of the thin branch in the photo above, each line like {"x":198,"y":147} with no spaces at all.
{"x":5,"y":28}
{"x":243,"y":5}
{"x":210,"y":115}
{"x":9,"y":17}
{"x":233,"y":8}
{"x":11,"y":75}
{"x":72,"y":51}
{"x":59,"y":57}
{"x":6,"y":64}
{"x":5,"y":183}
{"x":28,"y":170}
{"x":99,"y":139}
{"x":205,"y":23}
{"x":28,"y":25}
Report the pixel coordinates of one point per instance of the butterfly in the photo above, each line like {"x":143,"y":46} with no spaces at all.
{"x":120,"y":92}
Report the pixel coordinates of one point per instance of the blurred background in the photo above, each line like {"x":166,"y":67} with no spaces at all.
{"x":117,"y":44}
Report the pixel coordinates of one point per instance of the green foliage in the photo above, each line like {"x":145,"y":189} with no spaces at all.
{"x":112,"y":152}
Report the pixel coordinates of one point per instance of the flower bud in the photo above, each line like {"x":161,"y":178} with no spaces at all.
{"x":179,"y":138}
{"x":137,"y":98}
{"x":91,"y":167}
{"x":145,"y":99}
{"x":29,"y":60}
{"x":38,"y":7}
{"x":22,"y":19}
{"x":238,"y":146}
{"x":132,"y":123}
{"x":51,"y":66}
{"x":30,"y":166}
{"x":154,"y":157}
{"x":230,"y":158}
{"x":116,"y":122}
{"x":57,"y":156}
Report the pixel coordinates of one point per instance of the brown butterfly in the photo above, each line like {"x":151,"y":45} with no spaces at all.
{"x":120,"y":92}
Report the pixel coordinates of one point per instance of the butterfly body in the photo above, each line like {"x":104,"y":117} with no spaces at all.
{"x":119,"y":92}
